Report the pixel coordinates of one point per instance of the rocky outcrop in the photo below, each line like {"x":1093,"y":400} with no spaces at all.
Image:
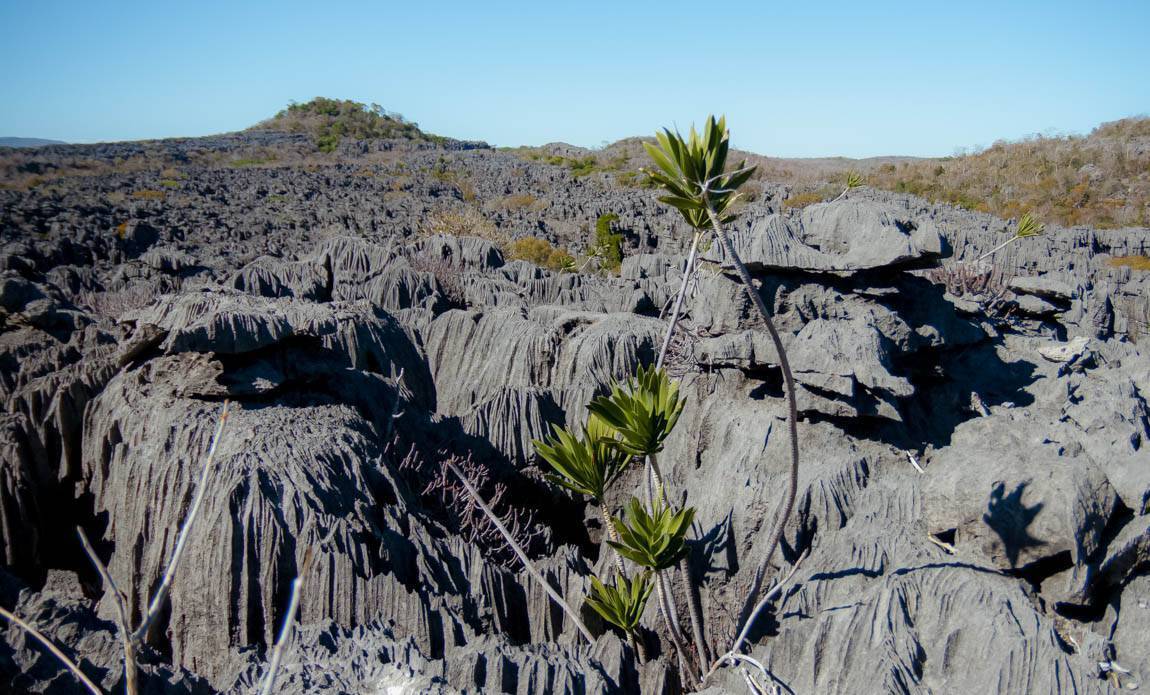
{"x":836,"y":237}
{"x":973,"y":487}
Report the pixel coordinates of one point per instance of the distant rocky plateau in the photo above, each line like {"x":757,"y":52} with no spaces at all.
{"x":28,"y":142}
{"x":974,"y":498}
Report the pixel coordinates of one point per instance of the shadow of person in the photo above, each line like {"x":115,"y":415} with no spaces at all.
{"x":1010,"y":519}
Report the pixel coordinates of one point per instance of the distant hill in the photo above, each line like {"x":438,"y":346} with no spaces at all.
{"x":29,"y":142}
{"x":330,"y":120}
{"x":1101,"y":179}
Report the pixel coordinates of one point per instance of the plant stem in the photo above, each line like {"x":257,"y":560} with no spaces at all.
{"x":269,"y":679}
{"x":675,"y":312}
{"x":127,"y":642}
{"x":613,"y":535}
{"x":665,"y":607}
{"x":996,"y":249}
{"x":694,"y":602}
{"x":695,"y":610}
{"x":637,"y":644}
{"x":792,"y":405}
{"x":661,"y":498}
{"x":733,"y":654}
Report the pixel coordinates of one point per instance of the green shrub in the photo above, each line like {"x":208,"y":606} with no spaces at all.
{"x":607,"y":246}
{"x":327,"y":143}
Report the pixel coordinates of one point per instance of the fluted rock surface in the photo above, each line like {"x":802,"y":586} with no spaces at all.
{"x":974,"y":489}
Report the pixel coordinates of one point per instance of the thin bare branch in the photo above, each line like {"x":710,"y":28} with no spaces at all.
{"x":68,"y":663}
{"x":286,"y":627}
{"x":527,"y":564}
{"x":946,"y":547}
{"x":913,"y":461}
{"x":181,"y":541}
{"x":398,"y":378}
{"x":675,"y":313}
{"x":127,"y":641}
{"x":735,"y":651}
{"x":706,"y":185}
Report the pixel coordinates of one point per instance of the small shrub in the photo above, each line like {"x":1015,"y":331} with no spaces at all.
{"x":607,"y":245}
{"x":169,"y":183}
{"x":327,"y":142}
{"x":634,"y":179}
{"x":583,"y":166}
{"x":443,"y":172}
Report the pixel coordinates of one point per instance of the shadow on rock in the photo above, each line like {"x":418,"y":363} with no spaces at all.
{"x":1010,"y":518}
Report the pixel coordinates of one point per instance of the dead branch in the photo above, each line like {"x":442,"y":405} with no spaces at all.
{"x":286,"y":627}
{"x":68,"y":663}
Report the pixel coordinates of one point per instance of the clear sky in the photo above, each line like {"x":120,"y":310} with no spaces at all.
{"x":801,"y":78}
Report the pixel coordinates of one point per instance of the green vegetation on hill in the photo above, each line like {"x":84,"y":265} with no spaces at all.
{"x":329,"y":120}
{"x":1101,"y":179}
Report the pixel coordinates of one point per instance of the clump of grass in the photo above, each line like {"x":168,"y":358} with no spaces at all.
{"x":1132,"y":262}
{"x":634,"y":179}
{"x":801,"y":200}
{"x":251,"y":162}
{"x":517,"y":201}
{"x":148,"y":194}
{"x":541,"y":253}
{"x":463,"y":222}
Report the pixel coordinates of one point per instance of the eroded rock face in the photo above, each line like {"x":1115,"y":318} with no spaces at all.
{"x":343,"y":341}
{"x":842,"y":236}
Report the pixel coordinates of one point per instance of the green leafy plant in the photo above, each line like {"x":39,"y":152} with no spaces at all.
{"x":586,"y":465}
{"x":656,"y":539}
{"x":606,"y":245}
{"x":854,"y":180}
{"x":643,"y":409}
{"x":608,"y":242}
{"x":692,"y":170}
{"x":622,"y":602}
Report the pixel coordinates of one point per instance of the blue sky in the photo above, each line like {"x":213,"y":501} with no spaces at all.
{"x":794,"y":79}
